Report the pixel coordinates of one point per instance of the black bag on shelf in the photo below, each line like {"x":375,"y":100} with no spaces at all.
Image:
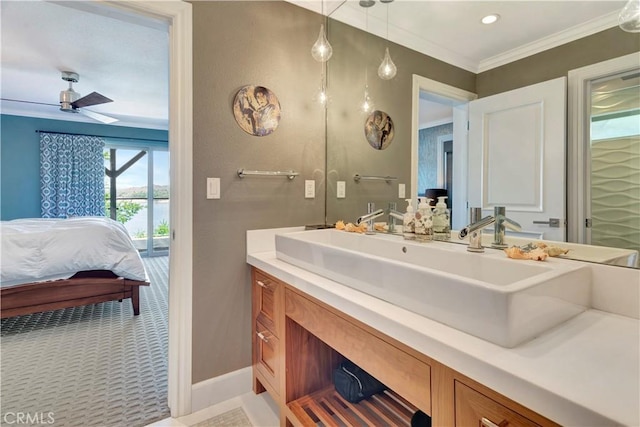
{"x":354,"y":384}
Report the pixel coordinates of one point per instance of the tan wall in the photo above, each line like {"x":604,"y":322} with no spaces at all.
{"x":237,"y":44}
{"x":557,"y":62}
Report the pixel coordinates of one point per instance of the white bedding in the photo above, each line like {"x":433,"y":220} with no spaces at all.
{"x":42,"y":249}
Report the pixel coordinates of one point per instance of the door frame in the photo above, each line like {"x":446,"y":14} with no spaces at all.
{"x":460,"y":120}
{"x":177,"y":15}
{"x":578,"y":169}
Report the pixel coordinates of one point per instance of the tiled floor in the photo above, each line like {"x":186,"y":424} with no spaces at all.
{"x":261,"y":410}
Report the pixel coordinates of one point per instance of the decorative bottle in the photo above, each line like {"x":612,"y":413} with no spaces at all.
{"x":441,"y":221}
{"x":409,"y":223}
{"x":424,"y":222}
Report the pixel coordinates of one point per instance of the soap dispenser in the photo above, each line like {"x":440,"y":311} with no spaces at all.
{"x":441,"y":221}
{"x":409,"y":222}
{"x":424,"y":221}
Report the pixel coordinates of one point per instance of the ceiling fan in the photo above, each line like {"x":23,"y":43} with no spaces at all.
{"x":71,"y":102}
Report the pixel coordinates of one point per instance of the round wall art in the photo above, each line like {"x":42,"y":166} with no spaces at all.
{"x":378,"y":129}
{"x":257,"y":110}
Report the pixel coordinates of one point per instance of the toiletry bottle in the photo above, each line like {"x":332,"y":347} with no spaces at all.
{"x":424,"y":221}
{"x":409,"y":222}
{"x":441,"y":224}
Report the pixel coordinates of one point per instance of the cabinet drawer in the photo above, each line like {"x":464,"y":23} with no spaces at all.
{"x":266,"y":299}
{"x":393,"y":367}
{"x":267,"y":348}
{"x":476,"y":409}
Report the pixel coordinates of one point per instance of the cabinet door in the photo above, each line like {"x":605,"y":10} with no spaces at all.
{"x":266,"y":299}
{"x":475,"y":409}
{"x":267,"y":353}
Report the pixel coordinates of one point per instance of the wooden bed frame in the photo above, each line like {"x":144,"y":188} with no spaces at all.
{"x":86,"y":287}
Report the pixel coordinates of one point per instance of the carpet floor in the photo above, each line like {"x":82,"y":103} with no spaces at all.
{"x":91,"y":366}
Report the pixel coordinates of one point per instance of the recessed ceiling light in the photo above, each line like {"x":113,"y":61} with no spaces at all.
{"x":490,"y":19}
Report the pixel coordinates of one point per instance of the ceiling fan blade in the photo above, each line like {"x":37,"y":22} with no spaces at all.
{"x":97,"y":116}
{"x":94,"y":98}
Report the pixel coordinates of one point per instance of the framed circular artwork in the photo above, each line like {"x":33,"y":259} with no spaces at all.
{"x":378,"y":129}
{"x":257,"y":110}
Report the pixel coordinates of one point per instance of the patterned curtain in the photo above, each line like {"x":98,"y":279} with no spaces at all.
{"x":71,"y":175}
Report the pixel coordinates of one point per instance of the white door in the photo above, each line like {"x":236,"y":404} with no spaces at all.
{"x":517,"y":145}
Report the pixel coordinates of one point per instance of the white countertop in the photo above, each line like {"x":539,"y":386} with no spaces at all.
{"x":585,"y":372}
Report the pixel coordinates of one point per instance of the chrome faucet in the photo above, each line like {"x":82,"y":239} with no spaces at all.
{"x":502,"y":222}
{"x":393,"y":216}
{"x":369,"y":217}
{"x":474,"y":229}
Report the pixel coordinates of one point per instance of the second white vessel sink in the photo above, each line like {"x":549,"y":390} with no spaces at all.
{"x":500,"y":300}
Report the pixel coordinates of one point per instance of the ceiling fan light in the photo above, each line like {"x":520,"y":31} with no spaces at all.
{"x":67,"y":97}
{"x":629,"y":18}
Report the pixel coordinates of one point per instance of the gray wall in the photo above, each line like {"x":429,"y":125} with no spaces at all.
{"x":557,"y":62}
{"x":237,"y":44}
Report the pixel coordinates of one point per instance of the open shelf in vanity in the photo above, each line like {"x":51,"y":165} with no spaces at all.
{"x":327,"y":407}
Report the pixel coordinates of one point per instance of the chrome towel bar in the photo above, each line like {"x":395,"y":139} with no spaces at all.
{"x":289,"y":174}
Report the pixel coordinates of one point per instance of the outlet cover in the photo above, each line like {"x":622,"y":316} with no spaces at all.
{"x":401,"y":191}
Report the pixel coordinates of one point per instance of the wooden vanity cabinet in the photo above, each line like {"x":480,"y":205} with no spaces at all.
{"x":299,"y":341}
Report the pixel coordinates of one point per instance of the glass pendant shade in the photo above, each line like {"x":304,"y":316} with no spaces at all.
{"x":387,"y":69}
{"x":321,"y":50}
{"x":629,"y":18}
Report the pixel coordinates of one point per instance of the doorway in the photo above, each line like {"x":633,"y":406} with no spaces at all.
{"x":441,"y":110}
{"x":595,"y":134}
{"x":613,"y":156}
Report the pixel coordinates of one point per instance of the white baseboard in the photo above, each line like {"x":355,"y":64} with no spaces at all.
{"x":219,"y":389}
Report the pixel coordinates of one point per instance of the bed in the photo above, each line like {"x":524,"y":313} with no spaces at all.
{"x":49,"y":264}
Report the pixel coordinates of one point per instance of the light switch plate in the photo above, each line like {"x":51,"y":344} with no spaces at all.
{"x":213,"y":188}
{"x":309,"y":189}
{"x":401,"y":191}
{"x":341,"y":189}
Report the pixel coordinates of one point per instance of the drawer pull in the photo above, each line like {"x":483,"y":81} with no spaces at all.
{"x":262,"y":336}
{"x":488,"y":423}
{"x":263,"y":284}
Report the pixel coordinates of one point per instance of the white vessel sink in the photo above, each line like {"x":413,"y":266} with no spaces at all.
{"x":501,"y":300}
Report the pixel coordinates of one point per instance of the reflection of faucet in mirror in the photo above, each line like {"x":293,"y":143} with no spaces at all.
{"x":393,"y":216}
{"x":502,"y":222}
{"x":369,"y":217}
{"x":474,"y":229}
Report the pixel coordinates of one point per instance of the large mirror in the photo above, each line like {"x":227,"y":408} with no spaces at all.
{"x":428,"y":100}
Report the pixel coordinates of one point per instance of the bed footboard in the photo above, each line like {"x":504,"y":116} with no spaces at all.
{"x":77,"y":291}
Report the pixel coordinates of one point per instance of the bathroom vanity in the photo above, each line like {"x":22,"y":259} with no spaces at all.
{"x":581,"y":370}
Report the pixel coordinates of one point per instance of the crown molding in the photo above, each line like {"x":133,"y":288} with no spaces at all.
{"x":574,"y":33}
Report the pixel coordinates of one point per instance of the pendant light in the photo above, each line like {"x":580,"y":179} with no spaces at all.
{"x":367,"y":104}
{"x":322,"y":50}
{"x":629,"y":18}
{"x":321,"y":96}
{"x":387,"y":69}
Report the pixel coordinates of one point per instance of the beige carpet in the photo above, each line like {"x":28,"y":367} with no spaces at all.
{"x":233,"y":418}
